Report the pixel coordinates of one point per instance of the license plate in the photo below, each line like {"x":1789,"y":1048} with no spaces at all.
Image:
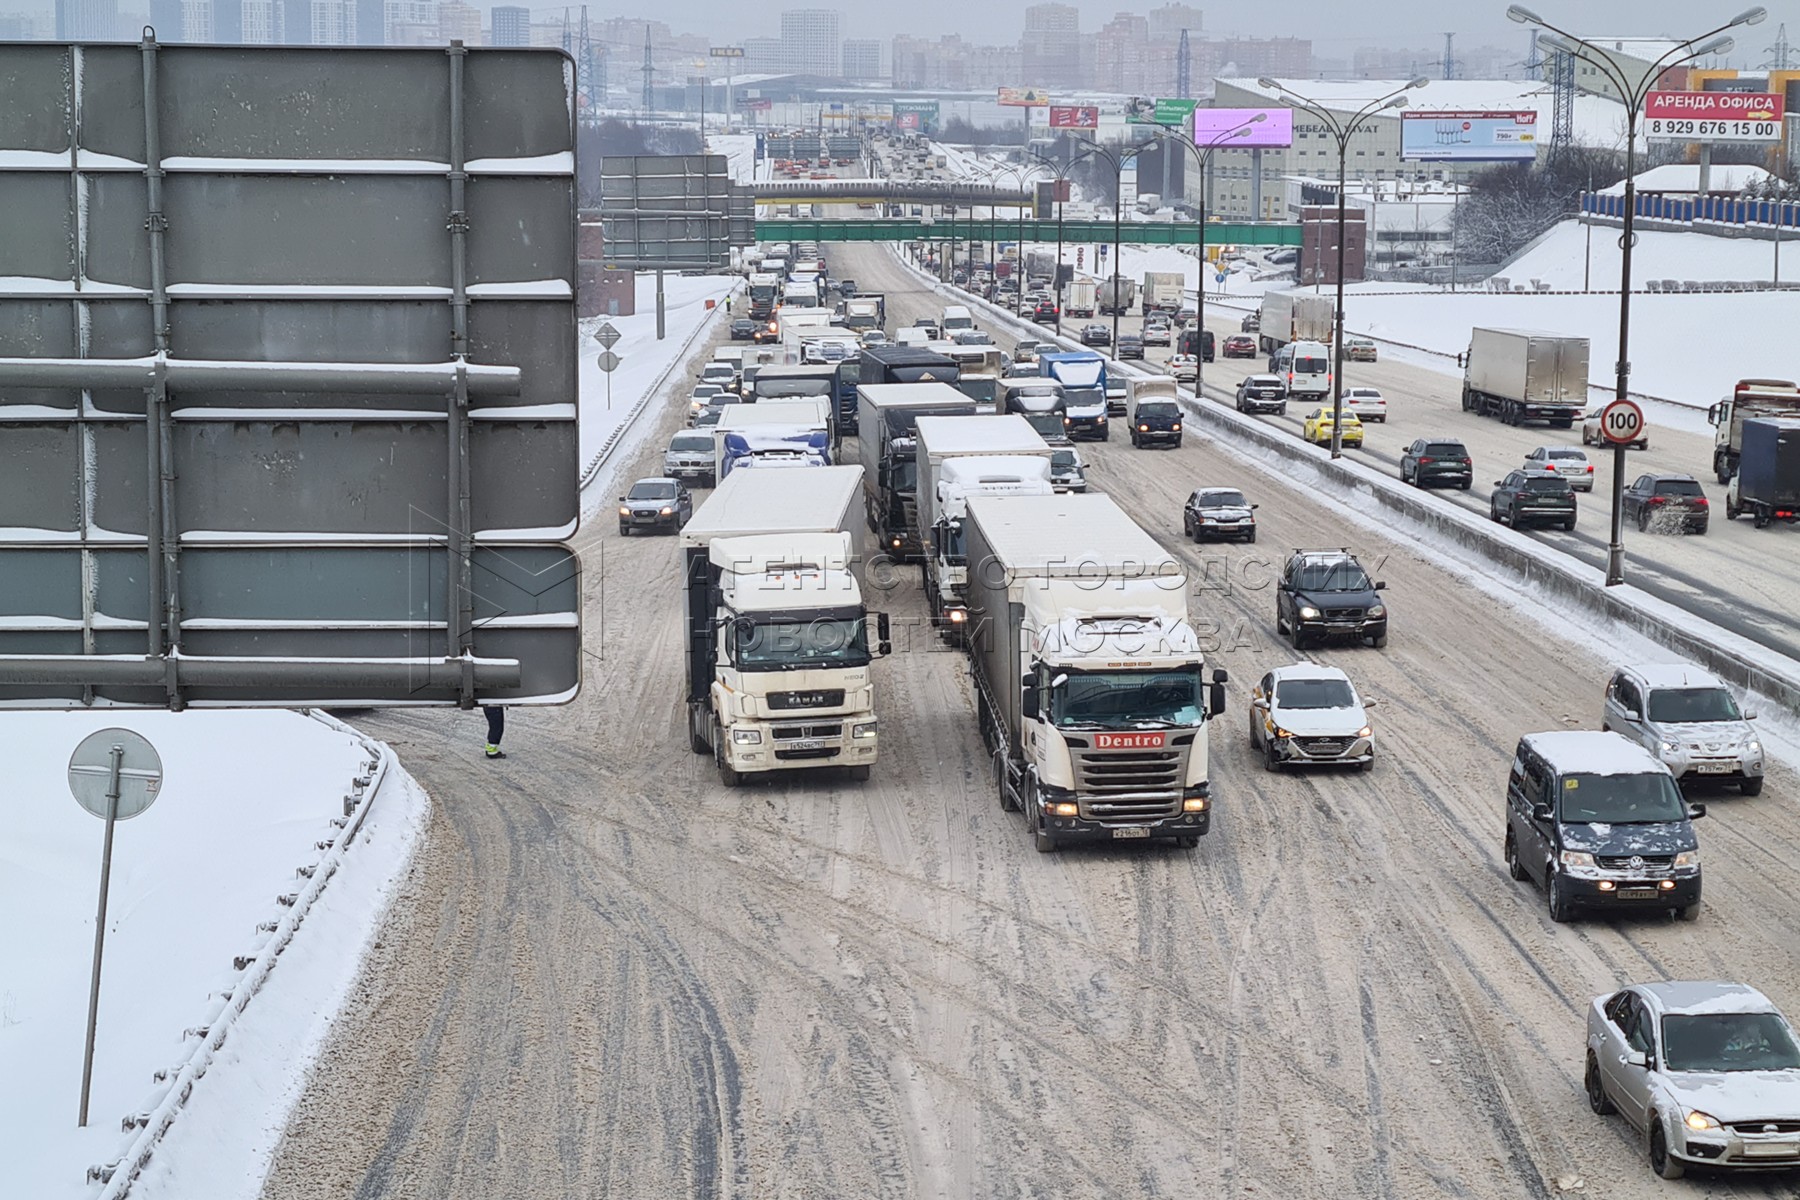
{"x":1637,"y":893}
{"x":1715,"y":768}
{"x":1771,"y":1149}
{"x":1133,"y":832}
{"x":806,"y":744}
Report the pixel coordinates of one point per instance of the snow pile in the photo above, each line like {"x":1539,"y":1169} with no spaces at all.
{"x":1684,"y":178}
{"x":247,"y":797}
{"x":739,"y":150}
{"x":1564,"y":258}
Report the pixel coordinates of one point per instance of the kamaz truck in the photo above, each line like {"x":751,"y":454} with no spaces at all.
{"x":1089,"y":678}
{"x":779,"y":643}
{"x":886,"y":420}
{"x":961,"y":457}
{"x":1750,"y":398}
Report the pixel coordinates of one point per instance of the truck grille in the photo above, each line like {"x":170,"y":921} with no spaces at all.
{"x":1129,"y":785}
{"x":824,"y":698}
{"x":789,"y":733}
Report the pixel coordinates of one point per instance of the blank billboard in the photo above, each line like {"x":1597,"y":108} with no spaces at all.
{"x":1221,"y":127}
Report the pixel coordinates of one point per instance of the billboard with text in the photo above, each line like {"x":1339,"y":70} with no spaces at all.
{"x":1141,"y":110}
{"x":1714,"y":116}
{"x":915,"y":116}
{"x":1024,"y":98}
{"x":1468,"y":136}
{"x":1069,"y":116}
{"x":1221,"y":126}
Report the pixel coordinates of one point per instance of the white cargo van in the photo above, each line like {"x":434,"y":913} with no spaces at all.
{"x":1305,"y":367}
{"x":956,"y":317}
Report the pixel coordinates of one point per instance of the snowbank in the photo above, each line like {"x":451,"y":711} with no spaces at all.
{"x":1564,"y":259}
{"x":247,"y":797}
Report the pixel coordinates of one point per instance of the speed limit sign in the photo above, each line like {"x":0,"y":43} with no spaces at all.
{"x":1622,"y":422}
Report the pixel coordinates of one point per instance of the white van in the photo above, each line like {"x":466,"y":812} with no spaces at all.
{"x":956,"y":317}
{"x":1305,"y":367}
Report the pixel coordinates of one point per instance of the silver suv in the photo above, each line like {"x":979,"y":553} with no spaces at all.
{"x":1688,"y":719}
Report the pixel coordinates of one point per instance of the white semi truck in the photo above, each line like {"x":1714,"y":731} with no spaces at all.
{"x":1293,"y":317}
{"x":1088,"y":676}
{"x":779,"y":644}
{"x":959,"y":458}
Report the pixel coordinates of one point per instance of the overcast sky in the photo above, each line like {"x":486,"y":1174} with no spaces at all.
{"x":1329,"y":23}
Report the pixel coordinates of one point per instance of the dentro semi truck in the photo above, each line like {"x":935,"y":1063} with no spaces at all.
{"x":1522,"y":375}
{"x":1088,"y":676}
{"x":960,"y":457}
{"x":779,"y":646}
{"x":1750,"y":398}
{"x":886,"y":419}
{"x":1293,"y":317}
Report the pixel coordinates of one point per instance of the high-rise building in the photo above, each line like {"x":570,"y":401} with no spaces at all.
{"x":196,"y":20}
{"x":1122,"y":57}
{"x":458,"y":21}
{"x":87,"y":20}
{"x":813,"y":41}
{"x":764,"y":56}
{"x":862,"y":59}
{"x":17,"y":27}
{"x":1050,"y":51}
{"x":511,"y":26}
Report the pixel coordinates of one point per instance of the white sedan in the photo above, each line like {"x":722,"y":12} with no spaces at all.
{"x":1367,"y":403}
{"x":1184,"y":367}
{"x":1306,"y":713}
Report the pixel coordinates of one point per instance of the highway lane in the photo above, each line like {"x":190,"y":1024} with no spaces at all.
{"x":612,"y":976}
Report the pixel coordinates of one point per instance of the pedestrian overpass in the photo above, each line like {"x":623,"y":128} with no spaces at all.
{"x":1009,"y":229}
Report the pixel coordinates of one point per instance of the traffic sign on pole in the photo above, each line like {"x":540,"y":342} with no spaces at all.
{"x":1622,"y":422}
{"x":607,"y":335}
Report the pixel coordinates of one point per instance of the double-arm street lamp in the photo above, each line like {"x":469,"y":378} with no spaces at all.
{"x":1117,"y":162}
{"x":1342,"y":130}
{"x":1203,"y":153}
{"x":1631,"y":93}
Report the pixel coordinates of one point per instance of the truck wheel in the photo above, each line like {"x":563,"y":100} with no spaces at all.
{"x":1467,"y":402}
{"x":728,"y":775}
{"x":1044,"y":842}
{"x":859,"y":773}
{"x":1732,"y":511}
{"x":1188,"y":841}
{"x":698,"y":741}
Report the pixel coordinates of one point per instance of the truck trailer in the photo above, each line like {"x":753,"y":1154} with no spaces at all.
{"x":1293,"y":317}
{"x":1163,"y":291}
{"x":1522,"y":375}
{"x":1750,"y":398}
{"x":886,"y":418}
{"x":774,"y":433}
{"x":1088,"y":674}
{"x":1117,"y":294}
{"x":1766,"y":483}
{"x":961,"y":457}
{"x":779,"y":647}
{"x":1080,"y":297}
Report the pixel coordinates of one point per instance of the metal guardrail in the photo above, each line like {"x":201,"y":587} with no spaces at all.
{"x":917,"y":229}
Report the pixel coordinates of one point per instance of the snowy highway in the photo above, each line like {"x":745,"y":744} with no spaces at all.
{"x":616,"y":977}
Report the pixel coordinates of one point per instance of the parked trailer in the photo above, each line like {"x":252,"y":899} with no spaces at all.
{"x":1087,"y":672}
{"x":1522,"y":375}
{"x":1767,"y":481}
{"x":1293,"y":317}
{"x":778,"y":654}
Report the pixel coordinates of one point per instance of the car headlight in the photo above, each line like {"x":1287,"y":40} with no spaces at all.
{"x":667,"y":512}
{"x":864,"y":730}
{"x":1143,"y":429}
{"x":1175,"y":428}
{"x":1669,"y":747}
{"x":1378,"y":610}
{"x":1688,"y":858}
{"x":1282,"y":733}
{"x":1699,"y":1120}
{"x":1577,"y":858}
{"x":747,"y":737}
{"x":1752,"y":746}
{"x":1308,"y":613}
{"x":1365,"y":731}
{"x":624,"y":512}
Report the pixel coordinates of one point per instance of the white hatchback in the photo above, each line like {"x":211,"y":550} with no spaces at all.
{"x":1368,"y":403}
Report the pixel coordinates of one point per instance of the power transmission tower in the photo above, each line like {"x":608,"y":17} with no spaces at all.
{"x":1562,"y":100}
{"x":1534,"y":59}
{"x":1184,"y":86}
{"x":1780,"y":54}
{"x":649,"y":73}
{"x":1449,"y":56}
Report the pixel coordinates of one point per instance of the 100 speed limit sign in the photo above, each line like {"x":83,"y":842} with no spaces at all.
{"x":1622,"y":422}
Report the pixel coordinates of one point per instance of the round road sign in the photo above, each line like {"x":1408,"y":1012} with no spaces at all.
{"x":90,"y":772}
{"x":1622,"y":422}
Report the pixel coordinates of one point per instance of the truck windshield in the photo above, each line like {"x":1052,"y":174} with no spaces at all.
{"x":1084,"y":397}
{"x":977,"y":388}
{"x":1646,"y":799}
{"x":1162,"y":410}
{"x":1678,"y":705}
{"x":792,"y":645}
{"x":903,"y":476}
{"x":1126,"y":699}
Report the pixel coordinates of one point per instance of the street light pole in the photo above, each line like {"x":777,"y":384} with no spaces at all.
{"x":1342,"y":131}
{"x":1633,"y":95}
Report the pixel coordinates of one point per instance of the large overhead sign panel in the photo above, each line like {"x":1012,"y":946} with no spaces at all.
{"x":1468,"y":136}
{"x":1023,"y":98}
{"x":915,"y":116}
{"x":1141,"y":110}
{"x":287,"y":376}
{"x":1240,"y":128}
{"x":666,"y":211}
{"x":1074,"y":116}
{"x":1714,"y":116}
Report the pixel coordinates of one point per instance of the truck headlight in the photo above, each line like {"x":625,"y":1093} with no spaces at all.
{"x":1579,"y":859}
{"x":1194,"y":804}
{"x":747,"y":737}
{"x":1378,"y":611}
{"x":865,"y":730}
{"x":958,"y":615}
{"x":1699,"y":1120}
{"x":1688,"y":858}
{"x":1308,"y":613}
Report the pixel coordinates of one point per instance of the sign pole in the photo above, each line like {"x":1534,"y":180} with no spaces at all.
{"x":93,"y":1015}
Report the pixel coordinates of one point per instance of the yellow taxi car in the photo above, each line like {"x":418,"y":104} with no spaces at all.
{"x":1317,"y":429}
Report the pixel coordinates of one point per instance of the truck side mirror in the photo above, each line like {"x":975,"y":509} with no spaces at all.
{"x":883,"y":642}
{"x":1696,"y":811}
{"x":1542,"y":812}
{"x":1028,"y":701}
{"x":1216,"y":695}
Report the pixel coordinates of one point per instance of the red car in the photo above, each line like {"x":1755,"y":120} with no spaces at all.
{"x":1240,"y":346}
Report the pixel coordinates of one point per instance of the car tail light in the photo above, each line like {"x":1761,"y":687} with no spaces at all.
{"x":1659,"y":499}
{"x":1551,"y":467}
{"x":1590,"y":468}
{"x":1423,"y":460}
{"x":1468,"y":462}
{"x":1700,"y":502}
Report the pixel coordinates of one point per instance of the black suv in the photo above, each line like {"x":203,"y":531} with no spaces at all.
{"x":743,"y":329}
{"x":1520,"y":498}
{"x":1325,"y":594}
{"x":1430,"y":461}
{"x":1599,"y":821}
{"x":1666,"y":502}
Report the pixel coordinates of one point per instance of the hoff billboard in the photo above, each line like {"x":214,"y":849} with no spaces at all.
{"x":1219,"y":127}
{"x":1714,"y":116}
{"x":1024,"y":98}
{"x":1468,"y":136}
{"x":1074,"y":117}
